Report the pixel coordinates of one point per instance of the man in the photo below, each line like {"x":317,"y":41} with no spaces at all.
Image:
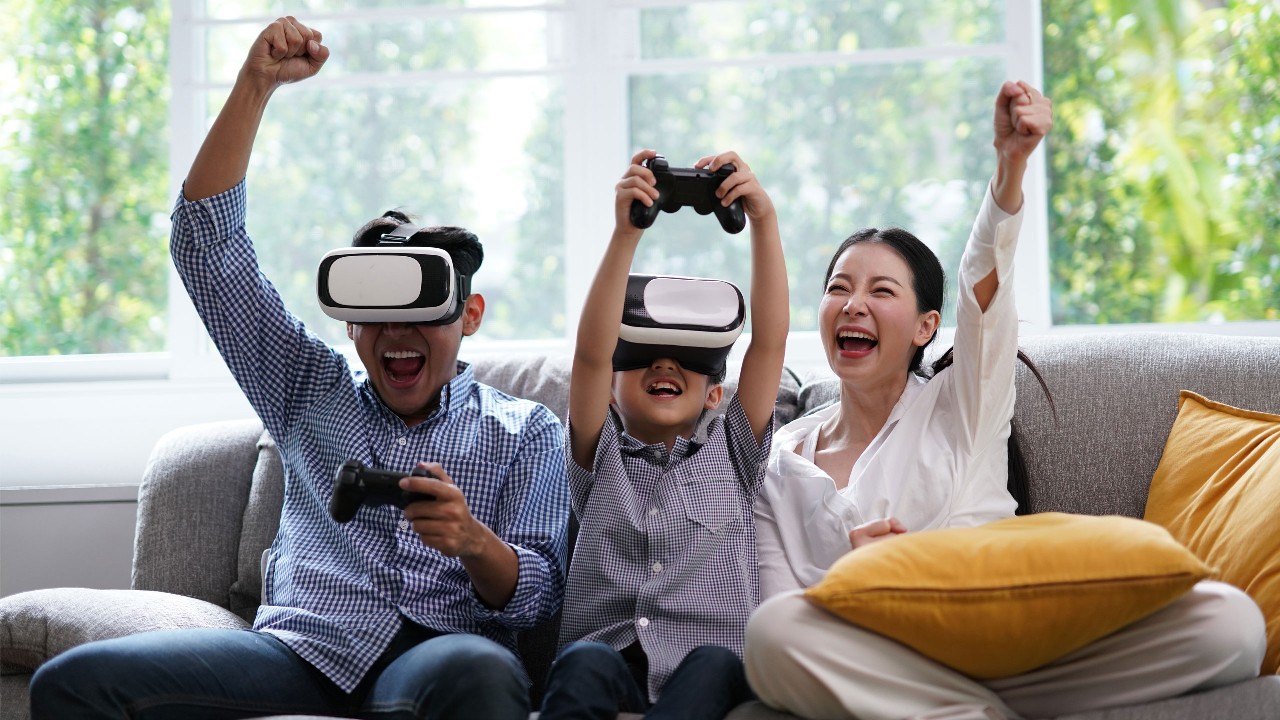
{"x":395,"y":613}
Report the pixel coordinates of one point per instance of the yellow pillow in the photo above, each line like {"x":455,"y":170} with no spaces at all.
{"x":1011,"y":595}
{"x":1217,"y":490}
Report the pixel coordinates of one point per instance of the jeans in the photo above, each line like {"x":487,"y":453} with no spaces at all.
{"x":208,"y":674}
{"x":592,"y":680}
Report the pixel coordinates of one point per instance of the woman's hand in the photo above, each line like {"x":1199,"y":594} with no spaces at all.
{"x":1022,"y":118}
{"x":741,"y":184}
{"x":874,"y":531}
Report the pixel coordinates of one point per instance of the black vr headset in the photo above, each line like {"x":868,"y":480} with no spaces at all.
{"x":693,"y":320}
{"x":392,"y":282}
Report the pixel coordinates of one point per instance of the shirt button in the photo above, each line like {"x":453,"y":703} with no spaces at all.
{"x":404,"y":524}
{"x":403,"y":441}
{"x":657,"y":567}
{"x":643,"y":622}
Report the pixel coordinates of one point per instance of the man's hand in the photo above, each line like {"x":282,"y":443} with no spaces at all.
{"x":1022,"y":118}
{"x":445,"y":523}
{"x":741,"y":184}
{"x":875,"y":531}
{"x":286,"y":51}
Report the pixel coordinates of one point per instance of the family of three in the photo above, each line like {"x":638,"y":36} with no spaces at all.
{"x":696,"y":538}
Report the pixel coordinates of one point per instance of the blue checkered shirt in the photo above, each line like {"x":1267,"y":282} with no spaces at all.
{"x":336,"y":593}
{"x":666,"y":548}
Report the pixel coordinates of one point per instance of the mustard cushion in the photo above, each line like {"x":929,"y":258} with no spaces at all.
{"x":1011,"y":595}
{"x":1217,"y":490}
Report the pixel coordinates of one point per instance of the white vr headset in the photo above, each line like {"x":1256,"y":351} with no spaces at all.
{"x":392,"y":282}
{"x":693,"y":320}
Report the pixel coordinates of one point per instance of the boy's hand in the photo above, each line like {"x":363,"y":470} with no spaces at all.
{"x":637,"y":183}
{"x":1022,"y":118}
{"x":741,"y":184}
{"x":286,"y":51}
{"x":875,"y":531}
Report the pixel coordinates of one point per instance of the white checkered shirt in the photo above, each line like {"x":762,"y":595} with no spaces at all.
{"x":335,"y":593}
{"x":666,"y":548}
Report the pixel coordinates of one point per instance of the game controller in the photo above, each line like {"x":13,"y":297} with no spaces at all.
{"x":688,"y":187}
{"x":355,"y":484}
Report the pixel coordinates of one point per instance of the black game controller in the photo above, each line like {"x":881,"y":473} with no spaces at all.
{"x":355,"y":485}
{"x":689,"y":187}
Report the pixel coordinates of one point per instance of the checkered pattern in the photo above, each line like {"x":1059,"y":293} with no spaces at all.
{"x":335,"y":593}
{"x":666,"y":550}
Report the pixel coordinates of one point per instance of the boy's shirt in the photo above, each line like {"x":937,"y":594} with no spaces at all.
{"x":666,"y":548}
{"x":336,"y":594}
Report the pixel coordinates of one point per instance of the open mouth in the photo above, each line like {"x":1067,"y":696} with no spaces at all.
{"x":403,"y":366}
{"x":857,"y":342}
{"x":664,"y":388}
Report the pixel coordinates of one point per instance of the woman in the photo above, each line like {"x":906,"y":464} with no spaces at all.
{"x":902,"y":452}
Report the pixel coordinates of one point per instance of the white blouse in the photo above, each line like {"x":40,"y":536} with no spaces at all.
{"x":941,"y":459}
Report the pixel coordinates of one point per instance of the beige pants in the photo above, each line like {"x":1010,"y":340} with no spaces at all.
{"x":804,"y":660}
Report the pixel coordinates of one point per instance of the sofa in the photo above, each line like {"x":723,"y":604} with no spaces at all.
{"x":210,"y":495}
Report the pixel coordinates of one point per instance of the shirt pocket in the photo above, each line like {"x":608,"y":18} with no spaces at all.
{"x":481,"y":483}
{"x":711,"y":502}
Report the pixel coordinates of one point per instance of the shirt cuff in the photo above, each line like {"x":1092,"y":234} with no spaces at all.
{"x":521,"y":611}
{"x":212,"y":219}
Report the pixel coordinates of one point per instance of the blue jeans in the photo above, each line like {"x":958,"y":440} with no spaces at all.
{"x":208,"y":674}
{"x":592,"y":680}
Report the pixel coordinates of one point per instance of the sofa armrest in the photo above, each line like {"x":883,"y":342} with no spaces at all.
{"x":191,"y":507}
{"x":39,"y":624}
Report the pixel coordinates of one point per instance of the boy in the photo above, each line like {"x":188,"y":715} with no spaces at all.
{"x":665,"y":572}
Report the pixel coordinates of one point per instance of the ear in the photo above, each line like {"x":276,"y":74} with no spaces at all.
{"x":715,"y":394}
{"x":928,"y":325}
{"x":351,"y":332}
{"x":472,"y":314}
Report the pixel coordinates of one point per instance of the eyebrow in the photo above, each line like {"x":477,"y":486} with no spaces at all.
{"x":874,"y":280}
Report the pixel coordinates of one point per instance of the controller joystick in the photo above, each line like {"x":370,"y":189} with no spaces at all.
{"x":689,"y":187}
{"x":354,"y":485}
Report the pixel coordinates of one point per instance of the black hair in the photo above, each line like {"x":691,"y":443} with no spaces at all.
{"x":929,"y":283}
{"x":463,"y":246}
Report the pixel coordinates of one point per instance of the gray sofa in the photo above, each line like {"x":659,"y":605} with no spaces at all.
{"x":211,"y":494}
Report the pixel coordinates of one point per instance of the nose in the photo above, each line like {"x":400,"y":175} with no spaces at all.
{"x":856,"y":305}
{"x":664,"y":364}
{"x":395,"y":329}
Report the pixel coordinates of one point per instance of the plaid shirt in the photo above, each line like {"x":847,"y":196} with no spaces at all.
{"x":666,"y":549}
{"x":336,"y":593}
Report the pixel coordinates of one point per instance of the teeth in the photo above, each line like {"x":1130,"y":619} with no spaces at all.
{"x":400,"y":354}
{"x":664,"y":385}
{"x":850,"y":334}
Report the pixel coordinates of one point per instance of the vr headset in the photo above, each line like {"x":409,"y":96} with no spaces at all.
{"x":392,"y":282}
{"x":693,"y":320}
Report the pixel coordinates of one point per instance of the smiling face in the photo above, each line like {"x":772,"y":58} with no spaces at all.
{"x":409,"y":364}
{"x":662,"y":401}
{"x":869,"y":317}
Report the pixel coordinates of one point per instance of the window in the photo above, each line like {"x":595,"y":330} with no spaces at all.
{"x":515,"y":118}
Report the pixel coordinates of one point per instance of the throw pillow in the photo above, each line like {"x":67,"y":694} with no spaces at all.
{"x":1216,"y":489}
{"x":40,"y":624}
{"x":1012,"y":595}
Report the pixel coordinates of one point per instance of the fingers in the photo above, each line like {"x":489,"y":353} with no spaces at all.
{"x":638,"y":182}
{"x":287,"y":37}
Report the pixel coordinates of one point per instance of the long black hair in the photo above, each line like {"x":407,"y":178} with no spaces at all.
{"x":929,"y":283}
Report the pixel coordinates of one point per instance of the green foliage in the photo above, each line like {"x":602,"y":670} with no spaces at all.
{"x":84,"y":151}
{"x":1164,"y":167}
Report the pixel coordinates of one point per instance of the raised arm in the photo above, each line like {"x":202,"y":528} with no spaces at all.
{"x":285,"y":51}
{"x":770,"y":301}
{"x":592,"y":376}
{"x":1022,"y":118}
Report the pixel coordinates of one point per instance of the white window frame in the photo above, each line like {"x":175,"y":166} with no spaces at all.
{"x":108,"y":410}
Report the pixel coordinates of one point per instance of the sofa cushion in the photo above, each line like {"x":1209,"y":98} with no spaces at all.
{"x":39,"y":624}
{"x":1012,"y":595}
{"x":1217,"y":490}
{"x":258,"y":529}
